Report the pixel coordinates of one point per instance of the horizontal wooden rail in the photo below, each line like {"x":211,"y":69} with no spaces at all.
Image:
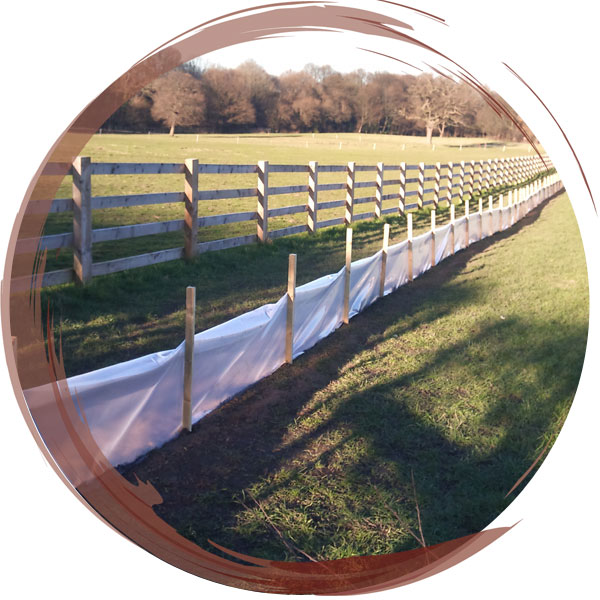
{"x":276,"y":233}
{"x":48,"y":242}
{"x":226,"y":194}
{"x":326,"y":187}
{"x":288,"y":189}
{"x":331,"y":204}
{"x":288,"y":168}
{"x":287,"y":210}
{"x":99,"y":202}
{"x":136,"y":168}
{"x":204,"y":169}
{"x":330,"y":222}
{"x":124,"y":232}
{"x":233,"y":242}
{"x":211,"y":220}
{"x":133,"y":262}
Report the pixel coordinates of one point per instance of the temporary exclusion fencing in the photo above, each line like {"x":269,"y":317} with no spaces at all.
{"x":135,"y":406}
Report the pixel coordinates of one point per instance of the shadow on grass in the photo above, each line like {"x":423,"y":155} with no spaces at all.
{"x":333,"y":464}
{"x":127,"y":315}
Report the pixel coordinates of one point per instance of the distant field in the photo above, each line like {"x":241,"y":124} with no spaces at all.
{"x":364,"y":149}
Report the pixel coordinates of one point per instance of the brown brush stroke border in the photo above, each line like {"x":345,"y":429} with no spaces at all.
{"x":66,"y":440}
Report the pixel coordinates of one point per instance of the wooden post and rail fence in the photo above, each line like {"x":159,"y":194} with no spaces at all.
{"x":448,"y":181}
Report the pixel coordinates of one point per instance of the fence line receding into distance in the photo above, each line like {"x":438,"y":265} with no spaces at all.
{"x":415,"y":187}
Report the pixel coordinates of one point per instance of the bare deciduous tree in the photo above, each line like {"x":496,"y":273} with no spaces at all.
{"x":227,"y":103}
{"x":177,"y":100}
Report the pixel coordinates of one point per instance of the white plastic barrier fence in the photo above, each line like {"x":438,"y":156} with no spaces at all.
{"x":135,"y":406}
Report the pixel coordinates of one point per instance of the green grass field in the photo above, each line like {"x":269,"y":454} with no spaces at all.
{"x":129,"y":314}
{"x":364,"y":149}
{"x":438,"y":397}
{"x":431,"y":403}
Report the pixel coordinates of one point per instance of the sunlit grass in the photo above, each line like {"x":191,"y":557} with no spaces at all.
{"x":457,"y":381}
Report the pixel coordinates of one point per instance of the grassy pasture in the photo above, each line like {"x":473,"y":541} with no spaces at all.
{"x":458,"y":380}
{"x":364,"y":149}
{"x":125,"y":315}
{"x":437,"y":398}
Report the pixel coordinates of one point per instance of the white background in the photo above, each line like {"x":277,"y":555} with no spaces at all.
{"x":56,"y":58}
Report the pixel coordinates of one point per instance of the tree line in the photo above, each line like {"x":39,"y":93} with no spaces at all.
{"x":316,"y":99}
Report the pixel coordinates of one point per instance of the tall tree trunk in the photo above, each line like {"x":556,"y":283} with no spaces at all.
{"x":429,"y":133}
{"x":442,"y":129}
{"x":172,"y":132}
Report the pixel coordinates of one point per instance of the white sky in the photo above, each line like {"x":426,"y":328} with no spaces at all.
{"x":342,"y":52}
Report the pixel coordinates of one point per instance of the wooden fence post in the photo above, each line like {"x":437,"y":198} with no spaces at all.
{"x":467,"y":233}
{"x":480,"y":211}
{"x":313,"y":196}
{"x":82,"y":219}
{"x":350,"y":176}
{"x":421,"y":187}
{"x":384,"y":254}
{"x":402,"y":189}
{"x":379,"y":190}
{"x":409,"y":235}
{"x":461,"y":181}
{"x":494,"y":174}
{"x":348,"y":267}
{"x":450,"y":176}
{"x":433,"y":238}
{"x":501,"y":172}
{"x":190,"y":223}
{"x":472,"y":180}
{"x":188,"y":366}
{"x":262,"y":208}
{"x":452,"y":220}
{"x":436,"y":186}
{"x":501,"y":204}
{"x":491,"y":217}
{"x":291,"y":298}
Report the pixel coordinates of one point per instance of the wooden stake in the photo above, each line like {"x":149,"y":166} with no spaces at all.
{"x":312,"y":205}
{"x":491,"y":216}
{"x":409,"y":233}
{"x":190,"y":321}
{"x":421,"y":187}
{"x":82,"y":219}
{"x":449,"y":176}
{"x":291,"y":298}
{"x":467,"y":223}
{"x":433,"y":238}
{"x":190,"y":224}
{"x":346,"y":315}
{"x":461,"y":181}
{"x":384,"y":254}
{"x":480,"y":218}
{"x":402,"y":189}
{"x":262,"y":206}
{"x":350,"y":175}
{"x":452,"y":219}
{"x":379,"y":190}
{"x":436,"y":187}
